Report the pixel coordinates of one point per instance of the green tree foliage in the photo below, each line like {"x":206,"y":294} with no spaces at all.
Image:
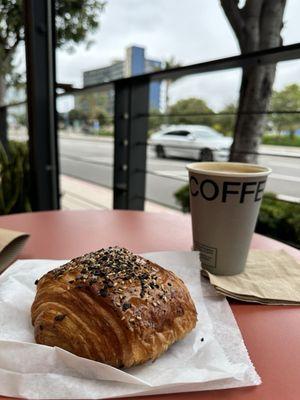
{"x":155,"y":120}
{"x":280,"y":220}
{"x":20,"y":118}
{"x":94,"y":105}
{"x":281,"y":140}
{"x":188,"y":111}
{"x":225,"y":121}
{"x":75,"y":19}
{"x":102,"y":117}
{"x":287,"y":99}
{"x":77,"y":115}
{"x":14,"y":178}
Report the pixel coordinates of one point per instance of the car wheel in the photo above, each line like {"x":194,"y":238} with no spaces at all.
{"x":206,"y":155}
{"x":160,"y":151}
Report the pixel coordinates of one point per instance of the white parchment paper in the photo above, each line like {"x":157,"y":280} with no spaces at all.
{"x":212,"y":356}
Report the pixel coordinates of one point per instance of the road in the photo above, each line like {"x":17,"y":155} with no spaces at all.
{"x":92,"y":160}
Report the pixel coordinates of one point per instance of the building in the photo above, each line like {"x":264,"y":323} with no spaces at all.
{"x":135,"y":63}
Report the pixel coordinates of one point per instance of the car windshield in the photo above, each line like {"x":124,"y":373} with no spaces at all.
{"x":207,"y":134}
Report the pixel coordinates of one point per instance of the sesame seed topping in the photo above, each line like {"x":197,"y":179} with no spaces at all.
{"x":126,"y":306}
{"x":102,"y":292}
{"x":116,"y":272}
{"x":79,"y":286}
{"x":59,"y":317}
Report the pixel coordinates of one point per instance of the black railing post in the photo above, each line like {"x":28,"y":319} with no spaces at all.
{"x":40,"y":70}
{"x":3,"y":126}
{"x":131,"y":128}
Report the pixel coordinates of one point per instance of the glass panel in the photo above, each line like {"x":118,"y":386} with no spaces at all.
{"x":14,"y":154}
{"x":178,"y":133}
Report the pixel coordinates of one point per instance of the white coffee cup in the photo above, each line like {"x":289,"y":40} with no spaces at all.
{"x":225,"y":199}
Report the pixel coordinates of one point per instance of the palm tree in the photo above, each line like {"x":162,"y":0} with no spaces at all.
{"x":169,"y":63}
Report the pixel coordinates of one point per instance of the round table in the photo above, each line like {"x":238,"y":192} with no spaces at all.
{"x":271,"y":334}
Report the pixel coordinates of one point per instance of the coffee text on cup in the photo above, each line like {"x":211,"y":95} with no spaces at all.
{"x":210,"y":190}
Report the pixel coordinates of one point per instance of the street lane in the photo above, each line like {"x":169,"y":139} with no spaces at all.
{"x":92,"y":160}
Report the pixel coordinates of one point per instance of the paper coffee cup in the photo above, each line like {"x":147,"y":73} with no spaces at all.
{"x":225,"y":199}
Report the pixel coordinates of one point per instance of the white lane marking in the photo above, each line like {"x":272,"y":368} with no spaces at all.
{"x":181,"y":174}
{"x":282,"y":164}
{"x":95,"y":159}
{"x":285,"y":177}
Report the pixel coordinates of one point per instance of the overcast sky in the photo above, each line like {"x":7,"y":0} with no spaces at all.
{"x":190,"y":31}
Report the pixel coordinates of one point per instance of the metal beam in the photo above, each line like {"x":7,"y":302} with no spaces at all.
{"x":42,"y":125}
{"x":274,"y":55}
{"x":268,"y":56}
{"x":131,"y":128}
{"x":261,"y":57}
{"x":3,"y":127}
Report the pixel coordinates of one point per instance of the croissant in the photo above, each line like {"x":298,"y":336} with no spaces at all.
{"x":112,"y":306}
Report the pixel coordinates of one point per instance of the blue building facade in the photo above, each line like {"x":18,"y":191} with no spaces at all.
{"x":135,"y":63}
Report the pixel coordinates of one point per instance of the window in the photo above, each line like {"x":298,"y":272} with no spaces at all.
{"x":177,"y":133}
{"x":207,"y":135}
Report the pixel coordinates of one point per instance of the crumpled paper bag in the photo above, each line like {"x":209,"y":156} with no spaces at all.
{"x":270,"y":277}
{"x":11,"y":243}
{"x":212,"y":356}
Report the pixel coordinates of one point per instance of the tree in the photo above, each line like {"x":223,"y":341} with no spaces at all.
{"x":20,"y":118}
{"x":287,"y":99}
{"x":77,"y":115}
{"x":257,"y":26}
{"x":155,"y":120}
{"x":96,"y":106}
{"x":193,"y":108}
{"x":102,"y":116}
{"x":224,"y":121}
{"x":74,"y":20}
{"x":170,"y":63}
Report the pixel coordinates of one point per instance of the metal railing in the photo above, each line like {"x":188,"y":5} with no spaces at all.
{"x":131,"y":116}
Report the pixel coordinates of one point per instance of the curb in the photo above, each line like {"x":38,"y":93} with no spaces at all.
{"x":87,"y":138}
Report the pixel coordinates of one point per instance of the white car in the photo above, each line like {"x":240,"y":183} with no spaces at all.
{"x":191,"y":141}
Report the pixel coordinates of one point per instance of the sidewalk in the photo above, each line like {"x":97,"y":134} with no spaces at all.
{"x":81,"y":195}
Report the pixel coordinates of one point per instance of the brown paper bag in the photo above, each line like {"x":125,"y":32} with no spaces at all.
{"x":270,"y":277}
{"x":11,"y":243}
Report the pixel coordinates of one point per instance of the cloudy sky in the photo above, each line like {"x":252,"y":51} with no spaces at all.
{"x":190,"y":31}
